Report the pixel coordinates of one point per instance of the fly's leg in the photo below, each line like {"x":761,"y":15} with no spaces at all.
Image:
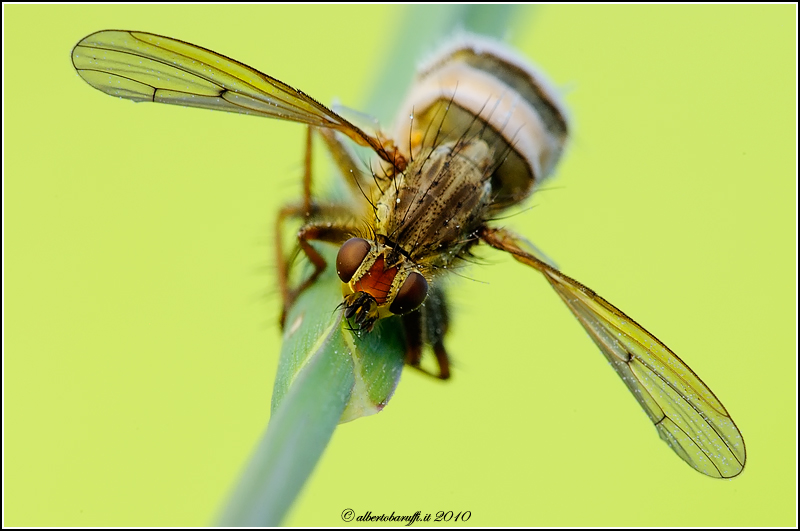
{"x":436,"y":318}
{"x":346,"y":163}
{"x":315,"y":231}
{"x":428,"y":325}
{"x":412,"y":324}
{"x":328,"y":231}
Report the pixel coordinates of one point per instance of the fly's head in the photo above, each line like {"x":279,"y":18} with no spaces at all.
{"x":378,"y":281}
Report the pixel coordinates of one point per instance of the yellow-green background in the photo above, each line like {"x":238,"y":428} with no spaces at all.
{"x":140,"y":309}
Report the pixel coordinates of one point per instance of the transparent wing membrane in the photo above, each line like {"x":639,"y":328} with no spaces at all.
{"x":686,"y":413}
{"x":146,"y":67}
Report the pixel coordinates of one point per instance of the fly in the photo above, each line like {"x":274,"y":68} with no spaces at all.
{"x":479,"y":129}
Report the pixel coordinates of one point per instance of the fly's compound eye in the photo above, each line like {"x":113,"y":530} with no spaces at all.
{"x":351,"y":254}
{"x":412,"y":293}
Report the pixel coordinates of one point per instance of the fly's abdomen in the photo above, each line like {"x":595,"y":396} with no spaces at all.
{"x":478,"y":88}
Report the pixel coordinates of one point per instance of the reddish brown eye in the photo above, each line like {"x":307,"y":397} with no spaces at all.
{"x":412,"y":293}
{"x":351,"y":254}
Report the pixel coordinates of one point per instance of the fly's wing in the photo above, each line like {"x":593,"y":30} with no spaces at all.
{"x":146,"y":67}
{"x":686,"y":413}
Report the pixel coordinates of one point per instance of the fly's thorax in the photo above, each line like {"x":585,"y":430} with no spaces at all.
{"x":439,"y":200}
{"x":479,"y":88}
{"x":378,"y":281}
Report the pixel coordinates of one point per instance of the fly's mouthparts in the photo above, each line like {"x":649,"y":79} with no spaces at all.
{"x":362,"y":308}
